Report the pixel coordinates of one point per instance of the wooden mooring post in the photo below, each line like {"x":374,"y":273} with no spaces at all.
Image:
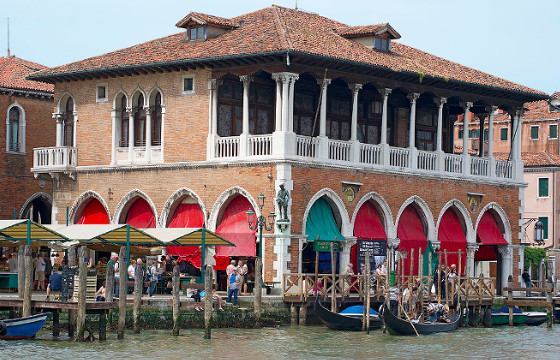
{"x":258,"y":290}
{"x":176,"y":300}
{"x":510,"y":300}
{"x":303,"y":314}
{"x":208,"y":298}
{"x":550,"y":307}
{"x":56,"y":322}
{"x":28,"y":287}
{"x":367,"y":286}
{"x":137,"y":305}
{"x":294,"y":314}
{"x":82,"y":288}
{"x":72,"y":314}
{"x":21,"y":271}
{"x":333,"y":276}
{"x":110,"y":289}
{"x":122,"y":292}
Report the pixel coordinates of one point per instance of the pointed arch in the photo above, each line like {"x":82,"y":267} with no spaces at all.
{"x":61,"y":105}
{"x":116,"y":100}
{"x":382,"y":208}
{"x":152,"y":94}
{"x":82,"y":202}
{"x":464,"y":216}
{"x":224,"y":199}
{"x":121,"y":211}
{"x":425,"y":214}
{"x":40,"y":204}
{"x":499,"y":214}
{"x":341,"y":215}
{"x":15,"y":127}
{"x":174,"y":202}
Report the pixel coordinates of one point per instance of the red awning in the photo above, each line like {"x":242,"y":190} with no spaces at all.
{"x":234,"y":228}
{"x":488,"y":232}
{"x":94,"y":213}
{"x":485,"y":253}
{"x":452,"y":238}
{"x":368,"y":224}
{"x":140,"y":215}
{"x":411,"y":234}
{"x":187,"y":216}
{"x":221,"y":262}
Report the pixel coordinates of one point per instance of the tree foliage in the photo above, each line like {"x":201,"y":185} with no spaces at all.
{"x":533,"y":256}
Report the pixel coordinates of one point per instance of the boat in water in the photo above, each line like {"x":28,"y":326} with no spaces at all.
{"x":398,"y":326}
{"x":22,"y":328}
{"x":501,"y":317}
{"x":348,"y":319}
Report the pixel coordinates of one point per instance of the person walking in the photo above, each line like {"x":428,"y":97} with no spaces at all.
{"x":527,"y":280}
{"x":234,"y":284}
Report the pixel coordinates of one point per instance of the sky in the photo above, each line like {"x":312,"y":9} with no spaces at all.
{"x":514,"y":39}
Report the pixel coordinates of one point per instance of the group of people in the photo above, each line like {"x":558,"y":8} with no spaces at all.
{"x":237,"y":276}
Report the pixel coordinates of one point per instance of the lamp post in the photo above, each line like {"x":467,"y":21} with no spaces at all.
{"x":260,"y":224}
{"x":539,"y":233}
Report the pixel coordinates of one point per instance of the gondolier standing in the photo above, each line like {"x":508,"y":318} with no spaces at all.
{"x":394,"y":298}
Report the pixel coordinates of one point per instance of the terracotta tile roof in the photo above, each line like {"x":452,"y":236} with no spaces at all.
{"x":458,"y":150}
{"x":278,"y":29}
{"x":539,"y":110}
{"x":530,"y":159}
{"x":208,"y":19}
{"x":355,"y":31}
{"x":13,"y":72}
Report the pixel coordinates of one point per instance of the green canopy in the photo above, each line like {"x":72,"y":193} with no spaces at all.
{"x":427,"y":253}
{"x":321,"y":223}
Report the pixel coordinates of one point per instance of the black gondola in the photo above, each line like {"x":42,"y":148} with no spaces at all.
{"x":338,"y":321}
{"x":398,"y":326}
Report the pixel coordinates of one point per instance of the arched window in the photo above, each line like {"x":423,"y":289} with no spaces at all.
{"x":124,"y":123}
{"x":139,"y":122}
{"x":68,"y":127}
{"x":14,"y":141}
{"x":156,"y":120}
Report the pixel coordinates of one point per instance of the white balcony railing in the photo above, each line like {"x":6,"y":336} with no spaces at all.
{"x":339,"y":150}
{"x":504,"y":169}
{"x":453,"y":163}
{"x":307,"y":146}
{"x":399,"y":157}
{"x":260,"y":145}
{"x":227,"y":147}
{"x":61,"y":158}
{"x":427,"y":160}
{"x":370,"y":154}
{"x":480,"y":166}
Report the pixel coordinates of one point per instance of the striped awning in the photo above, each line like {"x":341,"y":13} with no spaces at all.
{"x":117,"y":234}
{"x":188,"y":236}
{"x":18,"y":231}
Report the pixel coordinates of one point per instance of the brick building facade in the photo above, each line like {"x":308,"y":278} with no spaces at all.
{"x":232,"y":108}
{"x":27,"y":107}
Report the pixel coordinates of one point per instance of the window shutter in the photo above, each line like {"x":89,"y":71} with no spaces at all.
{"x":543,"y":187}
{"x":544,"y":221}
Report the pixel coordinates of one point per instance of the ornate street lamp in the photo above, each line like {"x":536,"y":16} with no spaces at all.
{"x":261,"y":222}
{"x":539,"y":233}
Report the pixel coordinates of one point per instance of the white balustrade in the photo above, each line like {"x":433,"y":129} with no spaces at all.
{"x":454,"y":163}
{"x":480,"y":166}
{"x":227,"y":147}
{"x":339,"y":150}
{"x":370,"y":154}
{"x":56,"y":157}
{"x":399,"y":157}
{"x":427,"y":160}
{"x":504,"y":169}
{"x":306,"y":146}
{"x":260,"y":145}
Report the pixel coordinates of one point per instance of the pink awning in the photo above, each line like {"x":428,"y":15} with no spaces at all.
{"x":234,"y":228}
{"x":94,"y":213}
{"x":411,"y":234}
{"x":368,"y":224}
{"x":140,"y":215}
{"x":452,"y":238}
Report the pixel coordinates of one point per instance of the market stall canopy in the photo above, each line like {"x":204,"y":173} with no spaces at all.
{"x":116,"y":234}
{"x":188,"y":237}
{"x":21,"y":232}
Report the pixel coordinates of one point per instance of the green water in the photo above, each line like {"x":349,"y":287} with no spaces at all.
{"x":313,"y":342}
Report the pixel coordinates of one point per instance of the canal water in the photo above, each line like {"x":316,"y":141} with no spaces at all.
{"x":312,"y":342}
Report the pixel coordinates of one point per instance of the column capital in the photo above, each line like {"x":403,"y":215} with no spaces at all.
{"x":413,"y":97}
{"x":436,"y":244}
{"x":129,"y":110}
{"x":57,"y":116}
{"x":246,"y":79}
{"x":441,"y":101}
{"x":519,"y":111}
{"x":385,"y":92}
{"x":467,"y":105}
{"x":214,"y":83}
{"x":393,"y":244}
{"x":493,"y":109}
{"x":147,"y":108}
{"x":355,"y":88}
{"x":285,"y":77}
{"x":472,"y":247}
{"x":505,"y":251}
{"x":324,"y":83}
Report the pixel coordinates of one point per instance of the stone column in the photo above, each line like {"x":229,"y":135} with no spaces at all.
{"x":59,"y":129}
{"x":442,"y":101}
{"x":293,"y":79}
{"x":471,"y":249}
{"x":383,"y":140}
{"x":244,"y":137}
{"x":491,"y":131}
{"x":466,"y":157}
{"x":278,"y":121}
{"x":355,"y":156}
{"x":148,"y":134}
{"x":345,"y":254}
{"x":114,"y":137}
{"x":507,"y":264}
{"x":212,"y":118}
{"x":130,"y":134}
{"x":392,"y":247}
{"x":285,"y":102}
{"x":412,"y":130}
{"x":323,"y":140}
{"x":516,"y":145}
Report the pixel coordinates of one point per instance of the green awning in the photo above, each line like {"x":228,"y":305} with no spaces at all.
{"x":321,"y":223}
{"x":426,"y":265}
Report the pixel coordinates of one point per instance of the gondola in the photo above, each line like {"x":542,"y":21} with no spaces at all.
{"x":337,"y":321}
{"x":398,"y":326}
{"x":22,"y":328}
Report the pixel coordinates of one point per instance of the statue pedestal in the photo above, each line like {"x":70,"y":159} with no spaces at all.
{"x":283,"y":225}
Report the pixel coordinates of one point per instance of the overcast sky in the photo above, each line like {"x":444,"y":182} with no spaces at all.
{"x":514,"y":39}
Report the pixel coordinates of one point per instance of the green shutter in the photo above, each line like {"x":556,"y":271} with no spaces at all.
{"x":543,"y":187}
{"x":534,"y":132}
{"x":460,"y":134}
{"x":503,"y":134}
{"x":544,"y":221}
{"x":553,"y":131}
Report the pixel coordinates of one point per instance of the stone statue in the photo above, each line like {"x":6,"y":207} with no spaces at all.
{"x":283,"y":198}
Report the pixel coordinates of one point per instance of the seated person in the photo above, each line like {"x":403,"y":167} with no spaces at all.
{"x":101,"y":294}
{"x":193,"y":293}
{"x":55,"y":282}
{"x":438,"y":312}
{"x":215,"y":296}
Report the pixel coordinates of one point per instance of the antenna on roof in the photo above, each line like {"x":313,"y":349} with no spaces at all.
{"x":296,"y":5}
{"x":8,"y":37}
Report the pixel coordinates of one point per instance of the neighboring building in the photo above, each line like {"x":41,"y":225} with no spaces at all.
{"x":27,"y":106}
{"x":189,"y":129}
